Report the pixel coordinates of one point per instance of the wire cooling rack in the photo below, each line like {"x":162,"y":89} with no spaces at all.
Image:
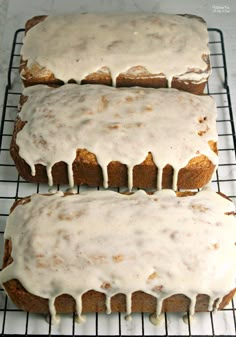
{"x":15,"y":322}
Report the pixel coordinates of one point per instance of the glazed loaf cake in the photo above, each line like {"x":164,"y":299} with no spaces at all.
{"x":99,"y":135}
{"x":149,"y":50}
{"x":83,"y":253}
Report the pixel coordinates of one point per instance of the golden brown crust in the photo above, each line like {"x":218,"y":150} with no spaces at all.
{"x":37,"y":74}
{"x":196,"y":174}
{"x":34,"y":21}
{"x":94,"y":301}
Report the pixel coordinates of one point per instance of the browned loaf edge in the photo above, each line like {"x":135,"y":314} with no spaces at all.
{"x":37,"y":74}
{"x":196,"y":174}
{"x":94,"y":301}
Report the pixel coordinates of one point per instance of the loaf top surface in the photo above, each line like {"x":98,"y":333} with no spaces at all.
{"x":116,"y":124}
{"x":105,"y":241}
{"x":73,"y":46}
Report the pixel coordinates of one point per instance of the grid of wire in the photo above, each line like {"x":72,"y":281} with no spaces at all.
{"x":13,"y":321}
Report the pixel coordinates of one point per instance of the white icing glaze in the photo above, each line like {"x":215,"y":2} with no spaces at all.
{"x":187,"y":318}
{"x":192,"y":305}
{"x":120,"y":124}
{"x":71,"y":190}
{"x":210,"y":304}
{"x":73,"y":46}
{"x":80,"y":319}
{"x":128,"y":318}
{"x":156,"y":319}
{"x":79,"y":307}
{"x":81,"y":242}
{"x":55,"y":319}
{"x":108,"y":304}
{"x":52,"y":190}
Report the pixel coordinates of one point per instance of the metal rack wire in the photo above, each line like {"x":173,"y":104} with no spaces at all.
{"x":15,"y":322}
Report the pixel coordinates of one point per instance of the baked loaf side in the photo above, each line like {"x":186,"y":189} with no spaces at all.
{"x":164,"y":50}
{"x":99,"y":135}
{"x":149,"y":264}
